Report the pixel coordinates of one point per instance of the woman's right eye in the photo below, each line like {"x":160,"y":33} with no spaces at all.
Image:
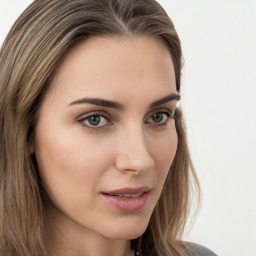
{"x":94,"y":121}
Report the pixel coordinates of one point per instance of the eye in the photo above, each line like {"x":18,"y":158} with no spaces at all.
{"x":94,"y":121}
{"x":160,"y":118}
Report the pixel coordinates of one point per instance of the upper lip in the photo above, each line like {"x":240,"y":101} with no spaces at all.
{"x":128,"y":190}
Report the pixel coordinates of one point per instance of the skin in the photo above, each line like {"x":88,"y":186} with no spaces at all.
{"x":129,"y":147}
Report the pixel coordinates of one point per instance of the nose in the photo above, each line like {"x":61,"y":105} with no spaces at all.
{"x":133,"y":152}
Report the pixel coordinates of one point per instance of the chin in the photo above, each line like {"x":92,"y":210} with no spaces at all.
{"x":128,"y":229}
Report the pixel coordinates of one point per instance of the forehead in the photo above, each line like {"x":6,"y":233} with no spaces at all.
{"x":106,"y":65}
{"x":112,"y":46}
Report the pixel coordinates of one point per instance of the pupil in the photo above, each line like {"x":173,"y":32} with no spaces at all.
{"x":94,"y":120}
{"x":157,"y":118}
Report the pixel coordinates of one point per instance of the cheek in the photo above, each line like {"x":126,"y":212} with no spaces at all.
{"x":165,"y":148}
{"x":70,"y":165}
{"x":68,"y":149}
{"x":164,"y":151}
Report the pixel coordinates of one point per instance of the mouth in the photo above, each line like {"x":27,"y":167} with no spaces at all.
{"x":127,"y":199}
{"x":127,"y":195}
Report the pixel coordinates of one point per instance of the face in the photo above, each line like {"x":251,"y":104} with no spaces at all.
{"x":106,"y":138}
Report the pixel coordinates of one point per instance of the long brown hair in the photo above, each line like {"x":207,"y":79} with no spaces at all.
{"x":37,"y":42}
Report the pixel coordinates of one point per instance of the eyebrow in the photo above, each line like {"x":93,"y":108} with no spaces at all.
{"x":98,"y":102}
{"x":170,"y":97}
{"x":118,"y":106}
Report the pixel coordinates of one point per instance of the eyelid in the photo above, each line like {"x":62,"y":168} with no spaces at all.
{"x":169,"y":115}
{"x":103,"y":114}
{"x":163,"y":110}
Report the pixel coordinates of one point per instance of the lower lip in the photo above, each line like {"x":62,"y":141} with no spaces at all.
{"x":127,"y":204}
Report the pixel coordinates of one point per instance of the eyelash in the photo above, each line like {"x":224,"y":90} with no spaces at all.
{"x":86,"y":118}
{"x":168,"y":114}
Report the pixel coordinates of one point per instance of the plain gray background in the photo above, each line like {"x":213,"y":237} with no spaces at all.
{"x":219,"y":98}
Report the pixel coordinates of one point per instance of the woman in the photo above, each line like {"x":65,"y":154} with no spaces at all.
{"x":94,"y":159}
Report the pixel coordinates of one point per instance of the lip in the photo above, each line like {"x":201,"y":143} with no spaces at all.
{"x":127,"y":199}
{"x":128,"y":190}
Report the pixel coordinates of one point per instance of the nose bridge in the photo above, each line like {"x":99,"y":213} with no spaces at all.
{"x":133,"y":151}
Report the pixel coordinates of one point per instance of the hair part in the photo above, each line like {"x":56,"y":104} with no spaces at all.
{"x":34,"y":47}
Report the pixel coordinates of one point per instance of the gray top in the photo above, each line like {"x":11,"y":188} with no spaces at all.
{"x":199,"y":250}
{"x":192,"y":249}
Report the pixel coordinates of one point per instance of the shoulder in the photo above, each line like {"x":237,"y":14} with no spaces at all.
{"x":198,"y":250}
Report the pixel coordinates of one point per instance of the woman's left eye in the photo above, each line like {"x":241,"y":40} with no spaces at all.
{"x":94,"y":121}
{"x":160,"y":118}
